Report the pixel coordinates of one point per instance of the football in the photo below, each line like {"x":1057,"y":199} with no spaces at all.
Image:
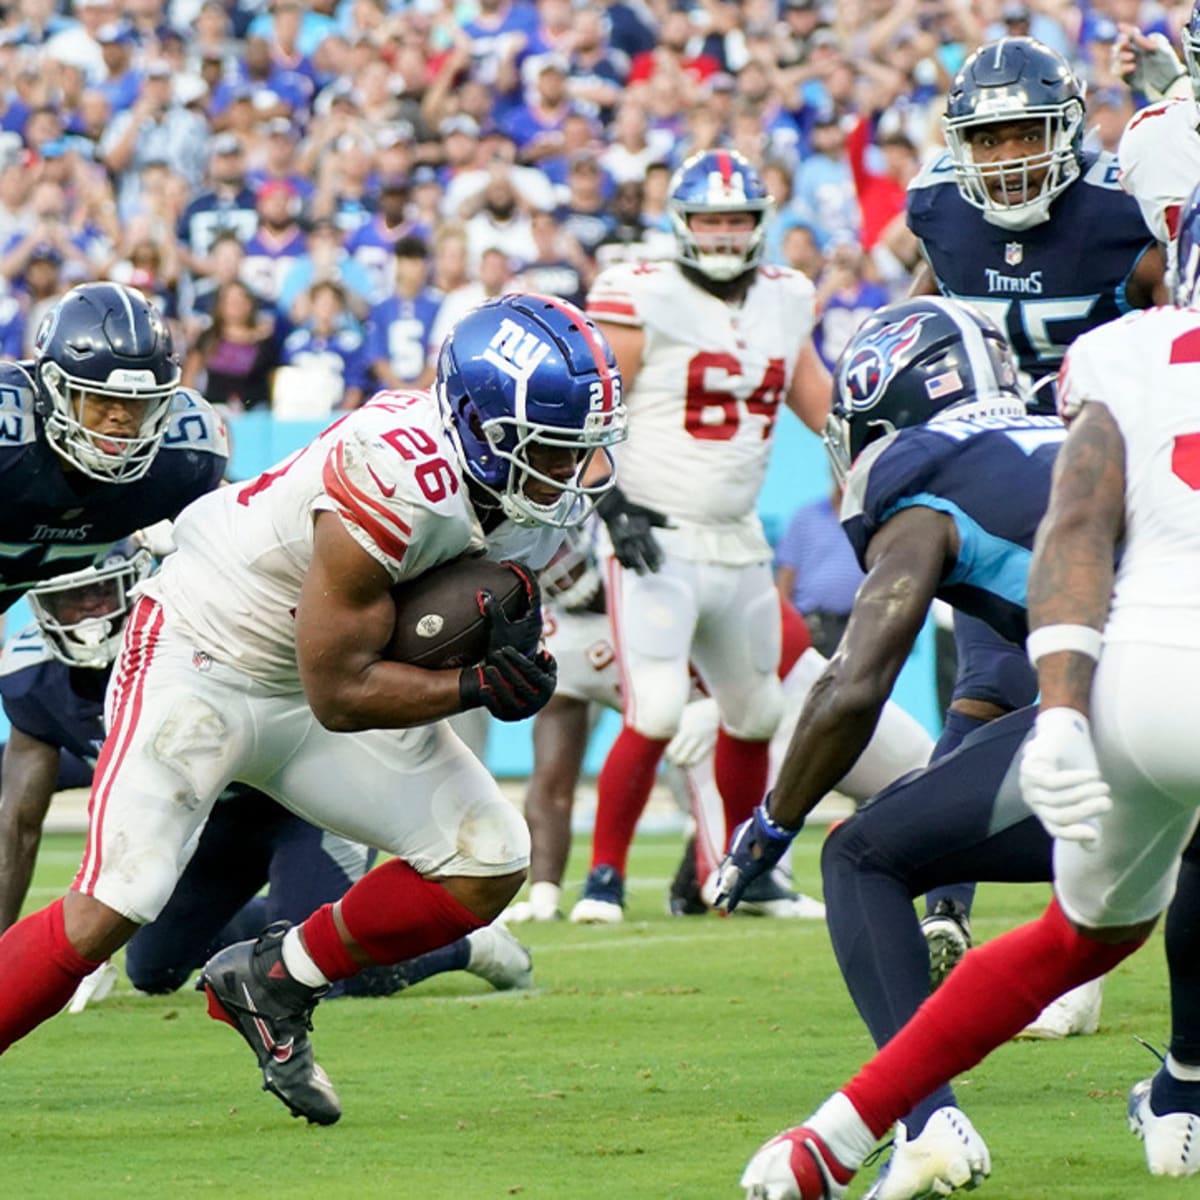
{"x":438,"y":622}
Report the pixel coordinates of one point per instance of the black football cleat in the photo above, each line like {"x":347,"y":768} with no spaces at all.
{"x":249,"y":988}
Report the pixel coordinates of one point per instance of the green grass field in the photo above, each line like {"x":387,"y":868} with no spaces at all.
{"x":650,"y":1062}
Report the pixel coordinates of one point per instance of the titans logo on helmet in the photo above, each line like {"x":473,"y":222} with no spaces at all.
{"x":877,"y":359}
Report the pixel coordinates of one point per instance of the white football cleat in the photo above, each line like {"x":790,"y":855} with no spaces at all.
{"x":795,"y":1165}
{"x":1172,"y":1141}
{"x":1074,"y":1013}
{"x":94,"y":987}
{"x":948,"y":1155}
{"x":603,"y":901}
{"x":769,"y":896}
{"x":499,"y":958}
{"x":596,"y":912}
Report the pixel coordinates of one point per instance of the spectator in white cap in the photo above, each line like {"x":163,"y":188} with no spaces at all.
{"x":78,"y":44}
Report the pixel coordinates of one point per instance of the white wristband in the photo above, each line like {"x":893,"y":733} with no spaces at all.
{"x":1051,"y":639}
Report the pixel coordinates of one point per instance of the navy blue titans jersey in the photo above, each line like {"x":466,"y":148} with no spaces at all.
{"x":46,"y":699}
{"x":53,"y":521}
{"x":1043,"y":286}
{"x":992,"y":476}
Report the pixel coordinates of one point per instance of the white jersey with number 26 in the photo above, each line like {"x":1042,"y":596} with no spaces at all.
{"x":390,"y":473}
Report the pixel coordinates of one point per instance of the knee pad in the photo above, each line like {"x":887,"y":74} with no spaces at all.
{"x":656,"y":695}
{"x":137,"y":886}
{"x":758,"y":712}
{"x":493,"y":839}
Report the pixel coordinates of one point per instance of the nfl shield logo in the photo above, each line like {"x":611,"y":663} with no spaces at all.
{"x":1013,"y":253}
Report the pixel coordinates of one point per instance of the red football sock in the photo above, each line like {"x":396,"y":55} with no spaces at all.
{"x":39,"y":971}
{"x":740,"y":769}
{"x":393,"y":914}
{"x":796,"y":637}
{"x":622,"y":793}
{"x":988,"y":998}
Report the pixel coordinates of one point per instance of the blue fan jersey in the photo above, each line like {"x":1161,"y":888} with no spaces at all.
{"x":54,"y":521}
{"x":399,"y":331}
{"x":991,"y":476}
{"x":1043,"y":286}
{"x":40,"y":701}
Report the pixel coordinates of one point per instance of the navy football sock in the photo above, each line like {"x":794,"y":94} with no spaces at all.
{"x":383,"y":981}
{"x":1182,"y":938}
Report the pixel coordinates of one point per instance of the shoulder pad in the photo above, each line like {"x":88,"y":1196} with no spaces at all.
{"x":22,"y":655}
{"x":620,"y":292}
{"x":1103,"y":172}
{"x":794,"y":283}
{"x":936,"y":172}
{"x":195,"y":426}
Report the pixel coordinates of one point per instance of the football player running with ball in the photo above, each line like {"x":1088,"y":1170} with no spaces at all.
{"x":709,"y":347}
{"x":257,"y":654}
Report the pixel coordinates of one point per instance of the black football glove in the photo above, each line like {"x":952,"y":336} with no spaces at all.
{"x":630,"y":529}
{"x":525,"y":632}
{"x":509,"y":685}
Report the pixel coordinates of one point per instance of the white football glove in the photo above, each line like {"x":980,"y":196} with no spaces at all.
{"x":697,"y":734}
{"x":1060,"y":779}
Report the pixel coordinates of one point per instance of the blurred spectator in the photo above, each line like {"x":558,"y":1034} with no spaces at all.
{"x":631,"y":239}
{"x":400,"y":331}
{"x":149,"y":265}
{"x":153,"y":130}
{"x":232,"y":360}
{"x":823,"y":189}
{"x":802,"y":251}
{"x":120,"y":84}
{"x":79,"y":44}
{"x":559,"y":268}
{"x":656,"y":190}
{"x":344,"y":182}
{"x":450,"y":263}
{"x":845,"y":297}
{"x":327,"y":343}
{"x":1108,"y":112}
{"x":277,"y":160}
{"x":499,"y":221}
{"x":40,"y":288}
{"x":680,"y":51}
{"x":12,"y":328}
{"x":584,"y":214}
{"x":597,"y":71}
{"x":536,"y":125}
{"x":816,"y":569}
{"x":882,"y":170}
{"x":495,"y":278}
{"x":47,"y":239}
{"x":324,"y":258}
{"x":225,"y":262}
{"x":629,"y":152}
{"x":227,"y":203}
{"x":278,"y":242}
{"x":372,"y":245}
{"x":499,"y":35}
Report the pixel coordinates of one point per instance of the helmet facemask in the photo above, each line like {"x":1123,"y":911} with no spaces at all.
{"x":1024,"y":203}
{"x":82,"y":615}
{"x":105,"y":457}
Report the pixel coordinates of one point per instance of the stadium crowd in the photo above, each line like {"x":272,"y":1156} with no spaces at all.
{"x":327,"y":186}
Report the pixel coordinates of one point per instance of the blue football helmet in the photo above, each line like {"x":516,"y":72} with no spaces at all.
{"x":105,"y":340}
{"x":911,"y":360}
{"x":82,"y":614}
{"x":718,"y":181}
{"x":527,"y":371}
{"x":1187,"y":253}
{"x":1015,"y":79}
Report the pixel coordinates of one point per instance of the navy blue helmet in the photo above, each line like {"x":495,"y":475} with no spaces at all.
{"x":82,"y":614}
{"x":105,"y":341}
{"x":718,"y":181}
{"x":525,"y":371}
{"x":1015,"y":79}
{"x":910,"y":361}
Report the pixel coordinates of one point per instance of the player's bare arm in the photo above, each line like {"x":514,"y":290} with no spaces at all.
{"x":560,"y":736}
{"x":1071,"y":574}
{"x":343,"y":623}
{"x":924,"y":282}
{"x":906,"y":561}
{"x":29,"y":774}
{"x":1147,"y":285}
{"x":811,"y":393}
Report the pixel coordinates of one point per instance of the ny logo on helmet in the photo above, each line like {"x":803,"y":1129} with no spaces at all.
{"x":877,"y":359}
{"x":515,"y":351}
